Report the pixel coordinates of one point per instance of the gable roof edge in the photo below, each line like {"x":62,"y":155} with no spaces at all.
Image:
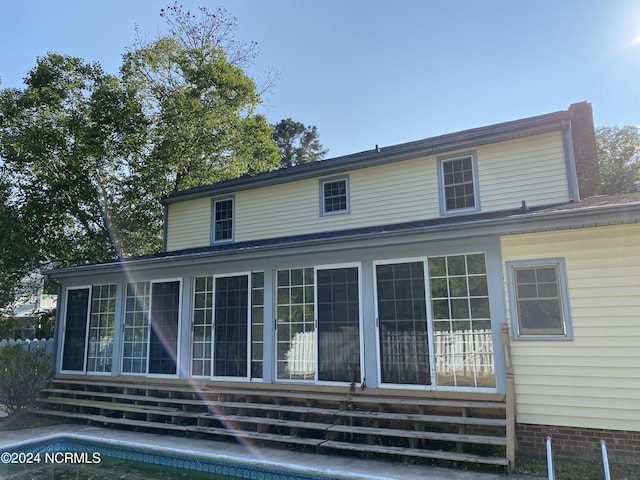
{"x":510,"y":222}
{"x":430,"y":146}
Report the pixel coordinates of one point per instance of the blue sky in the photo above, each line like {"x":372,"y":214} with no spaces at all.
{"x":380,"y":72}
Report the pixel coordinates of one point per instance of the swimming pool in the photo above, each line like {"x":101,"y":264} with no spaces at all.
{"x":75,"y":449}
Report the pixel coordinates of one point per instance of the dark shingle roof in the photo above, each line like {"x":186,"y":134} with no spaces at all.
{"x":517,"y":220}
{"x":378,"y":156}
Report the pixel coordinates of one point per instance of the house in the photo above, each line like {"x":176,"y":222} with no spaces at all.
{"x":27,"y":312}
{"x":394,"y":270}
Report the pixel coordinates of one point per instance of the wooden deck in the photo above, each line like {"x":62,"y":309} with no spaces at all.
{"x":469,"y":428}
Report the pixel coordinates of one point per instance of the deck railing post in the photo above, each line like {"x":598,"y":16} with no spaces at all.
{"x":510,"y":400}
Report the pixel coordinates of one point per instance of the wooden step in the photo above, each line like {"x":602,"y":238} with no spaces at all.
{"x":330,"y":420}
{"x":278,"y":422}
{"x":267,"y":437}
{"x":447,"y":419}
{"x":417,"y":434}
{"x":354,"y":398}
{"x":108,"y":405}
{"x":416,"y":452}
{"x":174,"y":413}
{"x":288,"y":439}
{"x":292,"y":424}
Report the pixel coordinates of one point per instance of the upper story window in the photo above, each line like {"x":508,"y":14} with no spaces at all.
{"x":458,"y":184}
{"x":539,"y":299}
{"x":334,"y":196}
{"x":222,"y":220}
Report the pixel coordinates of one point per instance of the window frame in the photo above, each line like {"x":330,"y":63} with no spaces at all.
{"x":476,"y":188}
{"x":322,"y":183}
{"x":65,"y":333}
{"x":563,"y":296}
{"x":214,"y":201}
{"x":89,"y":317}
{"x":146,"y":309}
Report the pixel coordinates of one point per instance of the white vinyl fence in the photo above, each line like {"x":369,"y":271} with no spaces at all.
{"x":33,"y":345}
{"x":462,"y":353}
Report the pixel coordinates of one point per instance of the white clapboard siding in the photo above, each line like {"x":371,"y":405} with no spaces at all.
{"x":593,"y":380}
{"x":531,"y":169}
{"x":189,"y":224}
{"x":386,"y":194}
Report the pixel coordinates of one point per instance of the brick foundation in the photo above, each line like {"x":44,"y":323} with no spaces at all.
{"x":622,"y":446}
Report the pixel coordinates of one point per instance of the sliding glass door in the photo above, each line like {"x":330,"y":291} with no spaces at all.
{"x":434,"y":322}
{"x":151,"y":319}
{"x":75,"y":329}
{"x":89,"y":329}
{"x":163,"y":334}
{"x":402,"y":324}
{"x":338,"y":309}
{"x":231,"y":323}
{"x":222,"y":325}
{"x":295,"y":323}
{"x":318,"y":324}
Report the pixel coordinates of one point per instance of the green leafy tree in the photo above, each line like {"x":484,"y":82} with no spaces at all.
{"x":200,"y":104}
{"x":88,"y":155}
{"x":65,"y":141}
{"x":18,"y":257}
{"x":618,"y":156}
{"x":296,"y":143}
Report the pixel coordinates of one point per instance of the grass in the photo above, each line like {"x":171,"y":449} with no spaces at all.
{"x":575,"y":469}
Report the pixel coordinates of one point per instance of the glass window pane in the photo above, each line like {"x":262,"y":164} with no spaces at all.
{"x":334,"y":196}
{"x":295,"y":325}
{"x":458,"y":182}
{"x":101,"y":324}
{"x":402,"y":338}
{"x":230,"y":346}
{"x":462,"y":325}
{"x":163,"y":335}
{"x":538,"y":300}
{"x":338,"y":325}
{"x":75,"y":329}
{"x":223,"y":219}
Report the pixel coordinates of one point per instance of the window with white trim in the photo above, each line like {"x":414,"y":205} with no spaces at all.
{"x":222,"y":220}
{"x":89,"y":329}
{"x":334,"y":196}
{"x":539,"y":299}
{"x":458,"y":184}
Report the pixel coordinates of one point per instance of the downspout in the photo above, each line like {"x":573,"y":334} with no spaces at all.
{"x":570,"y":162}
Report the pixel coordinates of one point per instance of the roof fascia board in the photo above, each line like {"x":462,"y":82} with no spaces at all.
{"x":421,"y":148}
{"x":517,"y":224}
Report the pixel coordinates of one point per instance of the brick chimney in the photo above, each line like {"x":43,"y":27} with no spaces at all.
{"x":585,"y":150}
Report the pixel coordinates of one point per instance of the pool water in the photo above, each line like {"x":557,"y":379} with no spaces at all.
{"x":131,"y":461}
{"x":107,"y":469}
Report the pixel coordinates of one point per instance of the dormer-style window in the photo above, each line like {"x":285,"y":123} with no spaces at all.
{"x":458,"y":184}
{"x":222,"y":220}
{"x":334,"y":196}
